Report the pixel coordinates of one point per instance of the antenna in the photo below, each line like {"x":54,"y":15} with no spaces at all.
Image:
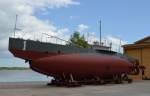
{"x":100,"y":35}
{"x":15,"y":25}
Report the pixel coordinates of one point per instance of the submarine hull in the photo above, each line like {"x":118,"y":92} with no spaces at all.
{"x":82,"y":66}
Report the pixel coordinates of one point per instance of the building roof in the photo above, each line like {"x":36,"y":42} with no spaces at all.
{"x":145,"y":42}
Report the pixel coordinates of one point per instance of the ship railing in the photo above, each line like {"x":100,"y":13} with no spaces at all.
{"x":57,"y":38}
{"x":60,"y":40}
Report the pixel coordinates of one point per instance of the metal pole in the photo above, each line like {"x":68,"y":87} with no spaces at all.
{"x":15,"y":25}
{"x":100,"y":32}
{"x":119,"y":45}
{"x":110,"y":46}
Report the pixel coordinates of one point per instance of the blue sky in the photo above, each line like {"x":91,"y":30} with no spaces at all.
{"x":125,"y":19}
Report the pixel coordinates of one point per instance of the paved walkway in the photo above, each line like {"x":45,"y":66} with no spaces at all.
{"x":137,"y":88}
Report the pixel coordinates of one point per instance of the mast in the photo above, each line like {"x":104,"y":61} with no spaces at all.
{"x":100,"y":33}
{"x":15,"y":25}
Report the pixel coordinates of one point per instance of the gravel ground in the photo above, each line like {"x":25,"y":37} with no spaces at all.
{"x":137,"y":88}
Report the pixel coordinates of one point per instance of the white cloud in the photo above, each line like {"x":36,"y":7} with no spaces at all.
{"x":73,"y":17}
{"x":52,"y":3}
{"x":115,"y":40}
{"x":91,"y":37}
{"x":107,"y":40}
{"x":82,"y":27}
{"x":31,"y":27}
{"x":116,"y":43}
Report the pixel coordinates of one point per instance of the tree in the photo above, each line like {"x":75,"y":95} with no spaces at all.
{"x":78,"y":40}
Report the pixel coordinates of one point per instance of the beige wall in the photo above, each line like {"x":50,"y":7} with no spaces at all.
{"x":143,"y":55}
{"x":146,"y":60}
{"x":135,"y":53}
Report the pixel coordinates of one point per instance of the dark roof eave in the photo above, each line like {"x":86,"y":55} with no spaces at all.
{"x":135,"y":45}
{"x":139,"y":41}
